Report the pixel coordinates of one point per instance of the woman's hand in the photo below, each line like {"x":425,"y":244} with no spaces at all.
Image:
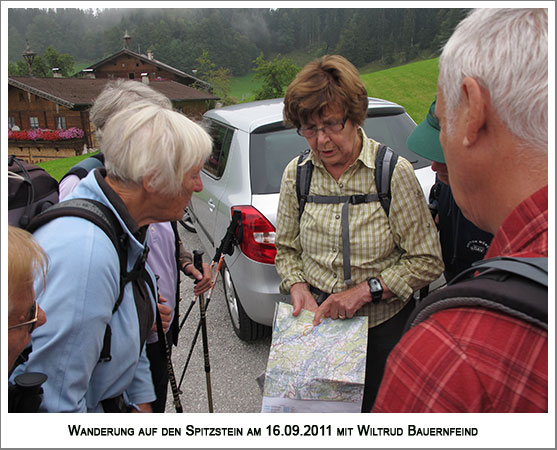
{"x":301,"y":298}
{"x":343,"y":305}
{"x":204,"y":280}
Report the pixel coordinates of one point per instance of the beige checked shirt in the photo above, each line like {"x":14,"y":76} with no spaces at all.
{"x":403,"y":248}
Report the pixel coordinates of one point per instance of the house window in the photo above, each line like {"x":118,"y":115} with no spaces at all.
{"x":131,"y":76}
{"x":34,"y":122}
{"x":61,"y":123}
{"x":11,"y":122}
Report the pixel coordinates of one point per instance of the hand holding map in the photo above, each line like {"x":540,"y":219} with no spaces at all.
{"x":315,"y":368}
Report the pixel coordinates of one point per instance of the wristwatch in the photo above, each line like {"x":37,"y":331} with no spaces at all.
{"x":375,"y":288}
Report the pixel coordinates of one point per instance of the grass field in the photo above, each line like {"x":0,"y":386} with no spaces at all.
{"x":243,"y":88}
{"x":412,"y":86}
{"x":57,"y":168}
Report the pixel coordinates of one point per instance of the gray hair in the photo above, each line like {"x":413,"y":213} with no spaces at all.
{"x":150,"y":140}
{"x":121,"y":94}
{"x":506,"y":51}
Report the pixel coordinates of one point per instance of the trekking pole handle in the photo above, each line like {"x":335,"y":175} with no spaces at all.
{"x":198,"y":260}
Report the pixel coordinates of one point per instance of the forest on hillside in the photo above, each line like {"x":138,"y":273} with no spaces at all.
{"x":233,"y":38}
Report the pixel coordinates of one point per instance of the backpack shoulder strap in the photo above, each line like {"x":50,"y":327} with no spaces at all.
{"x":385,"y":162}
{"x":513,"y":286}
{"x":83,"y":167}
{"x":303,"y":180}
{"x":91,"y":210}
{"x":103,"y":217}
{"x":535,"y":269}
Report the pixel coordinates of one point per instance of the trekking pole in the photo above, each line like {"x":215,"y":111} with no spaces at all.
{"x":195,"y":336}
{"x":163,"y":342}
{"x":186,"y":315}
{"x":193,"y":301}
{"x":226,"y":246}
{"x":198,"y":263}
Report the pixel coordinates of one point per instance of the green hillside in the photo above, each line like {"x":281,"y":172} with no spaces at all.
{"x":413,"y":86}
{"x":243,"y":88}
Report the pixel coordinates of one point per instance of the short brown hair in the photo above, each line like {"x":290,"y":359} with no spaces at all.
{"x":328,"y":81}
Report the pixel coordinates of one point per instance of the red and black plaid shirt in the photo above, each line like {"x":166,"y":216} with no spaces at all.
{"x":473,"y":359}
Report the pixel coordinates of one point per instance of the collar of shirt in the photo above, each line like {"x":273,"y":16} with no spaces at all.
{"x":120,"y":207}
{"x":524,"y":232}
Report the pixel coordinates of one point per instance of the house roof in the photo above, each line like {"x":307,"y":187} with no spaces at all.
{"x":75,"y":92}
{"x":145,"y":58}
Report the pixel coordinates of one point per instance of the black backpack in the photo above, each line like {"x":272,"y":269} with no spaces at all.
{"x":385,"y":162}
{"x":509,"y":285}
{"x":81,"y":170}
{"x":105,"y":219}
{"x":83,"y":167}
{"x":31,"y":190}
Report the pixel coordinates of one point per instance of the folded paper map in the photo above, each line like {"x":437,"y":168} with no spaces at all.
{"x":315,"y":369}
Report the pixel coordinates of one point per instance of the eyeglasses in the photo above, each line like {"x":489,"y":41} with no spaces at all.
{"x":332,"y":128}
{"x":31,"y":323}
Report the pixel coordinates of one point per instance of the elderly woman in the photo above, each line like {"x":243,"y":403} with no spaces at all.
{"x":167,"y":255}
{"x":153,"y":157}
{"x":391,"y":256}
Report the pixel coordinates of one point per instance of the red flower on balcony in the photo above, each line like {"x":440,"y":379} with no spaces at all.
{"x":40,"y":134}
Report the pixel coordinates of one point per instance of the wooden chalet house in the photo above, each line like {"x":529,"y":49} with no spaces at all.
{"x":64,"y":103}
{"x":131,"y":65}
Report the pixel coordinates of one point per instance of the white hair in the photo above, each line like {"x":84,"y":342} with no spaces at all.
{"x":150,"y":140}
{"x":506,"y":51}
{"x":121,"y":94}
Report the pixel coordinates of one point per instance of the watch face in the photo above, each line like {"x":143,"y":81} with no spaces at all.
{"x":376,"y":289}
{"x":375,"y":285}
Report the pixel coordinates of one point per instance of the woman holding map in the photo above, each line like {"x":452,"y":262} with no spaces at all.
{"x":340,"y":253}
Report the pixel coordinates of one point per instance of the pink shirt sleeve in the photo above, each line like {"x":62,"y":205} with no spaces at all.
{"x":67,"y":185}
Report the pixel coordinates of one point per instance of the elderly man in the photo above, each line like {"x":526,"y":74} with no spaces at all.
{"x":153,"y":157}
{"x":492,"y":106}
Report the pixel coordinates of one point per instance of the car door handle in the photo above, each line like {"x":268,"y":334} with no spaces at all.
{"x":211,"y":205}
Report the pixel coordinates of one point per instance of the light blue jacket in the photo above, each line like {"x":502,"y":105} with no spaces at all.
{"x":82,"y":286}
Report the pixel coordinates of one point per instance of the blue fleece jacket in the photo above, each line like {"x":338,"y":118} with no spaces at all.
{"x":82,"y":286}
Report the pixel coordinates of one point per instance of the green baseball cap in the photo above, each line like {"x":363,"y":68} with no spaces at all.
{"x":424,"y":140}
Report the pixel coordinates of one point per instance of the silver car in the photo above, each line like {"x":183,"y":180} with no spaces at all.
{"x":251,"y":149}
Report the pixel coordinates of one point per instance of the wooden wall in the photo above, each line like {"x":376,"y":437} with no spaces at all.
{"x":129,"y":67}
{"x":194,"y":110}
{"x":23,"y":105}
{"x":35,"y":152}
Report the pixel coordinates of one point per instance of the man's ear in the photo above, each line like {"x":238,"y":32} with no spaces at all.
{"x":474,"y":105}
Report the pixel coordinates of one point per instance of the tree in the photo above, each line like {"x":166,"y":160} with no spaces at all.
{"x":276,"y":75}
{"x":43,"y":65}
{"x":217,"y":77}
{"x":64,"y":62}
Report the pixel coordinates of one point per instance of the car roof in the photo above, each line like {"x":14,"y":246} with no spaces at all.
{"x":252,"y":115}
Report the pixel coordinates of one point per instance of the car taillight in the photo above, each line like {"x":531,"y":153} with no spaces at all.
{"x":258,"y":235}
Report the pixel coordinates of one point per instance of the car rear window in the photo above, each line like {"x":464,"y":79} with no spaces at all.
{"x":272,"y":147}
